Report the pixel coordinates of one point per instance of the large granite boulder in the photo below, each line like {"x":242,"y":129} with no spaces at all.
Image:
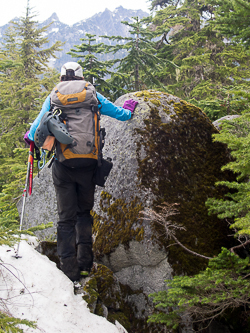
{"x":165,"y":153}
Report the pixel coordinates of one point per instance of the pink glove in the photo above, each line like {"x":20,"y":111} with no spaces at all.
{"x":26,"y":138}
{"x":130,"y":105}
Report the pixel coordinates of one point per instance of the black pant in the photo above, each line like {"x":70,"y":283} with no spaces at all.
{"x":75,"y":198}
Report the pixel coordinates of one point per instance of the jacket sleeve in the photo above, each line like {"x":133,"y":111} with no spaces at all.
{"x":45,"y":108}
{"x":111,"y":110}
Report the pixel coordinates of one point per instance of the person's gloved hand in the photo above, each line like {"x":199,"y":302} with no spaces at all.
{"x":26,"y":138}
{"x":130,"y":105}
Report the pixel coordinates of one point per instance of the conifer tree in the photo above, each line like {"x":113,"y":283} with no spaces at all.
{"x":95,"y":70}
{"x":21,"y":64}
{"x":22,"y":89}
{"x":236,"y":135}
{"x":11,"y":324}
{"x":210,"y":68}
{"x":233,"y":19}
{"x":140,"y":62}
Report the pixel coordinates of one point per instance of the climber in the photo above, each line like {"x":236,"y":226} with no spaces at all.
{"x":76,"y":103}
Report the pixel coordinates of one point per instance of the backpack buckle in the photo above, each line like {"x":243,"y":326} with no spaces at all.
{"x":94,"y":108}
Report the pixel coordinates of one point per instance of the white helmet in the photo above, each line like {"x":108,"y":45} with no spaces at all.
{"x":71,"y":69}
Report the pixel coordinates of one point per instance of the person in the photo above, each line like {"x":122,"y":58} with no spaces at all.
{"x":75,"y":187}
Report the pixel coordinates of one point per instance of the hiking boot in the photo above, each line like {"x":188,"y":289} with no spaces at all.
{"x":69,"y":266}
{"x":84,"y":274}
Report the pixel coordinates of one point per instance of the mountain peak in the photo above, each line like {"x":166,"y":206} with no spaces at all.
{"x":53,"y":17}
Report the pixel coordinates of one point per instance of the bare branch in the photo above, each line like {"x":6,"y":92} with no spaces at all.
{"x":239,"y":246}
{"x":162,"y":218}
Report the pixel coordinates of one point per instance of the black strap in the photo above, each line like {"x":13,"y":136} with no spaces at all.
{"x":99,"y":103}
{"x":94,"y":108}
{"x":38,"y":154}
{"x":51,"y":162}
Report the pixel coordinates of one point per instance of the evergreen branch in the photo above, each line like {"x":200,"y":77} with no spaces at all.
{"x":244,"y":4}
{"x":207,"y":295}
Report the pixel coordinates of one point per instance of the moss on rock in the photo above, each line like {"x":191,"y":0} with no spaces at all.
{"x":181,"y":165}
{"x":91,"y":294}
{"x":119,"y":225}
{"x":103,"y":291}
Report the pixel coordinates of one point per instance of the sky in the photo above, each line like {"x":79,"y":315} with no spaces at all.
{"x":35,"y":289}
{"x":68,"y":11}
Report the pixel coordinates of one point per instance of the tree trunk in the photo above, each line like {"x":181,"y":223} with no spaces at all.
{"x":136,"y":77}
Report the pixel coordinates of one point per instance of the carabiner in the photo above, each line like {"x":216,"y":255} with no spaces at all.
{"x":55,"y":112}
{"x":43,"y":157}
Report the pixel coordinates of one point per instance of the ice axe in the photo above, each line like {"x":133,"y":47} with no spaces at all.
{"x":27,"y":188}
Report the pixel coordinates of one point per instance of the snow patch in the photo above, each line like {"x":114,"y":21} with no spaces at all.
{"x":54,"y":30}
{"x":38,"y":291}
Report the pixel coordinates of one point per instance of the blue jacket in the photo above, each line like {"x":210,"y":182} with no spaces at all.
{"x":107,"y":108}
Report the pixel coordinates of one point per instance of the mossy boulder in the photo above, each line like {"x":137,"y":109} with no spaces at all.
{"x":164,"y":154}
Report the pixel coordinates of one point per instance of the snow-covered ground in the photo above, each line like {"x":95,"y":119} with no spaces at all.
{"x":36,"y":290}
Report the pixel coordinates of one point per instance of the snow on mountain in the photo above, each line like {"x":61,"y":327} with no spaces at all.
{"x":33,"y":288}
{"x":103,"y":23}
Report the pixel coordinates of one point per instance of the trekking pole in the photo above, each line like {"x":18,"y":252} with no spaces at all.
{"x":31,"y":163}
{"x":28,"y":185}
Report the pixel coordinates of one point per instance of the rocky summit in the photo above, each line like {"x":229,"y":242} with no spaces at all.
{"x":163,"y":157}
